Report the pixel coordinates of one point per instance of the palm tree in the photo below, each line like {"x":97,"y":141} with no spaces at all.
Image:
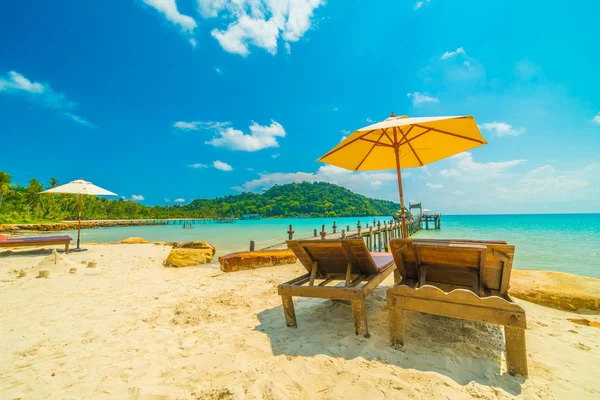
{"x":5,"y":180}
{"x":34,"y":195}
{"x":53,"y":183}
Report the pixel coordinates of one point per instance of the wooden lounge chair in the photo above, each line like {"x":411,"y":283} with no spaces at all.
{"x":346,"y":260}
{"x":458,"y":279}
{"x":37,"y":241}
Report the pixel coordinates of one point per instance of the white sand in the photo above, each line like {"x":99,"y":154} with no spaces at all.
{"x":134,"y":329}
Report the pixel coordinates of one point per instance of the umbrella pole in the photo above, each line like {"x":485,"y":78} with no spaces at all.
{"x":79,"y":223}
{"x":397,"y":151}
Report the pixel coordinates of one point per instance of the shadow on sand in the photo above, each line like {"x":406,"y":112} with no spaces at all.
{"x":464,"y":351}
{"x":29,"y":252}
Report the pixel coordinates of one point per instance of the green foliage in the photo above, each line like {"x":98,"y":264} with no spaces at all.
{"x":28,"y":205}
{"x":293,"y":200}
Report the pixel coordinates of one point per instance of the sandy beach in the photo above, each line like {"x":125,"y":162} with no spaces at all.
{"x":131,"y":328}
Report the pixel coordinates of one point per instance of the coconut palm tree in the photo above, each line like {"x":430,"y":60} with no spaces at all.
{"x":5,"y":180}
{"x":34,"y":195}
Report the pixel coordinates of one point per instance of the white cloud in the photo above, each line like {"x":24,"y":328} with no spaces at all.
{"x":259,"y":23}
{"x":450,"y":54}
{"x":123,"y":198}
{"x":425,"y":171}
{"x":197,"y":165}
{"x":552,"y":185}
{"x":222,"y":166}
{"x":369,"y":120}
{"x":596,"y":118}
{"x":501,"y":128}
{"x":288,"y":48}
{"x":420,"y":4}
{"x":167,"y":200}
{"x":260,"y":137}
{"x":449,"y":172}
{"x":457,"y":193}
{"x":364,"y":182}
{"x":137,"y":197}
{"x":421,"y":98}
{"x":168,"y":8}
{"x":179,"y":200}
{"x":17,"y":84}
{"x":336,"y":109}
{"x":434,"y":186}
{"x":249,"y":169}
{"x":274,"y":156}
{"x":200,"y":125}
{"x":345,"y":132}
{"x":465,"y":165}
{"x":526,"y":70}
{"x":219,"y":70}
{"x":79,"y":120}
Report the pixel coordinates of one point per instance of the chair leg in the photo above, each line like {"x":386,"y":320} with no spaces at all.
{"x":516,"y":351}
{"x":288,"y":310}
{"x":397,"y":277}
{"x":360,"y":317}
{"x":397,"y":326}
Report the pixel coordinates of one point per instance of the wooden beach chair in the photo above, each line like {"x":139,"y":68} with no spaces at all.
{"x":458,"y":279}
{"x":37,"y":241}
{"x":346,"y":260}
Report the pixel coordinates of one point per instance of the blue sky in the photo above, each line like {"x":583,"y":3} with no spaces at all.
{"x":171,"y":100}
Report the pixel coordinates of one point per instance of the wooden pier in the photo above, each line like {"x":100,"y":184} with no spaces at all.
{"x":376,"y":235}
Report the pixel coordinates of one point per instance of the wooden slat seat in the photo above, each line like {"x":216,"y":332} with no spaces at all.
{"x":37,"y":241}
{"x":346,"y":260}
{"x":459,"y":279}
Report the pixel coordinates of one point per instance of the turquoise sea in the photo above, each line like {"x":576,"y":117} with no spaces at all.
{"x":557,"y":242}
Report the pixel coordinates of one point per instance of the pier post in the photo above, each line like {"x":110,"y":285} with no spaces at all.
{"x":370,"y":238}
{"x":252,"y":245}
{"x":343,"y":234}
{"x":358,"y":227}
{"x":379,"y":235}
{"x":334,"y":227}
{"x":347,"y":228}
{"x":323,"y":233}
{"x":427,"y":223}
{"x":290,"y":233}
{"x":316,"y":234}
{"x":385,"y":237}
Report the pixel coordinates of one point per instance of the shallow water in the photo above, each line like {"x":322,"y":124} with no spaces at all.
{"x":557,"y":242}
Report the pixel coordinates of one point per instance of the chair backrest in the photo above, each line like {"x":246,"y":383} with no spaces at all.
{"x":333,"y":255}
{"x":455,"y":261}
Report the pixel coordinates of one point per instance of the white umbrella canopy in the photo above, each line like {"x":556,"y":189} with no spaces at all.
{"x":80,"y":187}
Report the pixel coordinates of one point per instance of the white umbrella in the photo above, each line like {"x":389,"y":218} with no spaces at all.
{"x":80,"y":187}
{"x":426,"y":211}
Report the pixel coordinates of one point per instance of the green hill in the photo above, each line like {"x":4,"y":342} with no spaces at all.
{"x":316,"y":199}
{"x":25,"y":204}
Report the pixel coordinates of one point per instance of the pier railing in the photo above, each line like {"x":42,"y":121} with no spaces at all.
{"x":377,"y":235}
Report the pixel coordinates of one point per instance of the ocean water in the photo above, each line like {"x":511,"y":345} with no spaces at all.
{"x":227,"y":238}
{"x":557,"y":242}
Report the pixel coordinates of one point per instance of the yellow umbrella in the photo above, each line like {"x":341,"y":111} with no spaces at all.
{"x":405,"y":142}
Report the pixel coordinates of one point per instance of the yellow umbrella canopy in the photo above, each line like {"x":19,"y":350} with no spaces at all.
{"x":402,"y":142}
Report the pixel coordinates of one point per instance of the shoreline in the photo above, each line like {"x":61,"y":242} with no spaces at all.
{"x":110,"y":223}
